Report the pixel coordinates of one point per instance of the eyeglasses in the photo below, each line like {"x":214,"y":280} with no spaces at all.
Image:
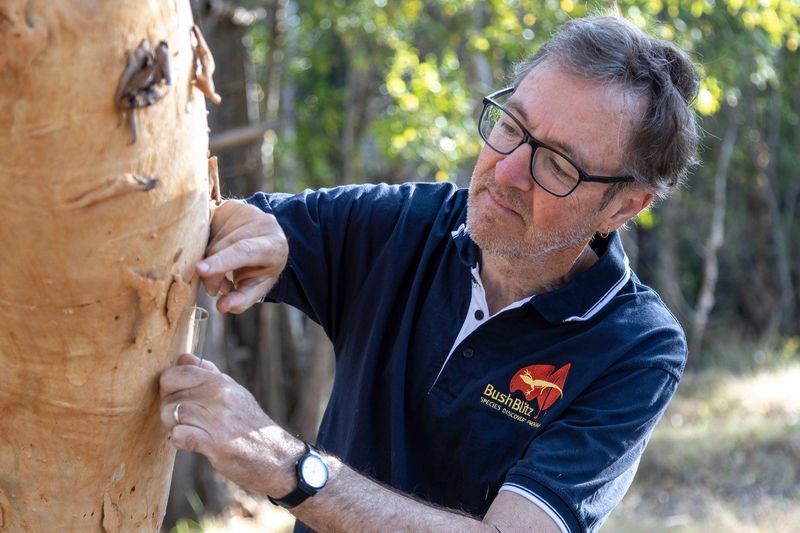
{"x":552,"y":170}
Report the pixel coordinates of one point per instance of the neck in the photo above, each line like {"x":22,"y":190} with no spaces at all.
{"x":508,"y":279}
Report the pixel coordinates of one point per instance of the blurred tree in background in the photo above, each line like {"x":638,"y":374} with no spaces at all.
{"x":372,"y":90}
{"x":318,"y":93}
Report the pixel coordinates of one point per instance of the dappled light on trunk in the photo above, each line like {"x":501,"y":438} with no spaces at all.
{"x":103,"y":164}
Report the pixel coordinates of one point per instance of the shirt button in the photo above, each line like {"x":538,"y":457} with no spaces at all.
{"x":479,"y":314}
{"x":468,"y":353}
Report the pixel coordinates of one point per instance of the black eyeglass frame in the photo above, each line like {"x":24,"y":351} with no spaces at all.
{"x":535,"y":143}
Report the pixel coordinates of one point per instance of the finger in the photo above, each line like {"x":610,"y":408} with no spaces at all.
{"x":255,"y":225}
{"x":191,"y":359}
{"x":233,"y":217}
{"x":187,"y":359}
{"x":186,"y":412}
{"x":237,"y":229}
{"x":223,"y":212}
{"x":167,"y":413}
{"x":243,"y":253}
{"x":226,"y":287}
{"x":248,"y":273}
{"x":212,"y":283}
{"x":217,"y":283}
{"x":181,"y":377}
{"x":176,"y":411}
{"x":221,"y":285}
{"x":189,"y":438}
{"x":247,"y":294}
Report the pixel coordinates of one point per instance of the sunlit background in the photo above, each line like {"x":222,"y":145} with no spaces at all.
{"x":324,"y":92}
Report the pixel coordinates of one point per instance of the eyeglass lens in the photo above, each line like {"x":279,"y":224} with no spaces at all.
{"x":503,"y":134}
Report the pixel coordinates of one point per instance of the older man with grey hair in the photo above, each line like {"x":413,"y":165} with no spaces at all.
{"x":499,"y":366}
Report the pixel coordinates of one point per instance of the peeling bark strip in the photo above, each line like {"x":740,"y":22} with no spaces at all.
{"x":112,"y":218}
{"x":112,"y":187}
{"x":110,"y":519}
{"x":140,"y":83}
{"x":179,"y":296}
{"x":21,"y":38}
{"x":213,"y":180}
{"x":204,"y":67}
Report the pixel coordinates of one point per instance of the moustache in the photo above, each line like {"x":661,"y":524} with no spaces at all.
{"x":504,"y":195}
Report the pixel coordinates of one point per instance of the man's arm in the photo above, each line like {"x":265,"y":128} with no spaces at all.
{"x":353,"y":502}
{"x":221,"y":420}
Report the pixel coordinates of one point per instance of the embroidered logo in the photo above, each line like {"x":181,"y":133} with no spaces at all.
{"x":541,"y":387}
{"x":542,"y":383}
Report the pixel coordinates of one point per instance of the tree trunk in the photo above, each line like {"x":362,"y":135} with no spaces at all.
{"x":705,"y":298}
{"x":780,"y":234}
{"x":667,"y":274}
{"x":100,"y":237}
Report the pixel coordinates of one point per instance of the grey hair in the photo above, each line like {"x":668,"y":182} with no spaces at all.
{"x":662,"y":146}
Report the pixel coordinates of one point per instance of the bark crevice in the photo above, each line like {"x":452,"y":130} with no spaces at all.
{"x":111,"y":188}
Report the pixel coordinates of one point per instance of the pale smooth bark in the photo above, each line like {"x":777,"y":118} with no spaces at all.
{"x":716,"y":238}
{"x":98,"y":260}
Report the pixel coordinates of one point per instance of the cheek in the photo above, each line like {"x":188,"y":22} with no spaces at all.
{"x":549,"y":212}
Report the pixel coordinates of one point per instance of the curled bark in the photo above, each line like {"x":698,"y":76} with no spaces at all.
{"x":204,"y":66}
{"x":100,"y":239}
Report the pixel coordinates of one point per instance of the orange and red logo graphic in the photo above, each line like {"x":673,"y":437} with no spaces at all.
{"x":542,"y":383}
{"x":541,"y":386}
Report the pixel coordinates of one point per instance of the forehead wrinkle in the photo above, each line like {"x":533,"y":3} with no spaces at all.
{"x":568,"y":150}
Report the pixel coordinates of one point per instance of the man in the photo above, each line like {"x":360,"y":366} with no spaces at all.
{"x":498,"y":366}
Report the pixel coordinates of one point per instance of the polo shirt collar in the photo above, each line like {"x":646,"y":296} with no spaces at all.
{"x":585,"y":295}
{"x":588,"y":292}
{"x":466,"y":247}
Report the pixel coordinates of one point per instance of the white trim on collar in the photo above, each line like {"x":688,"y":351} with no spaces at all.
{"x":607,"y":297}
{"x":459,"y":231}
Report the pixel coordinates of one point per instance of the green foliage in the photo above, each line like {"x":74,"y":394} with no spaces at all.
{"x":390,"y":90}
{"x":185,"y":525}
{"x":421,"y":58}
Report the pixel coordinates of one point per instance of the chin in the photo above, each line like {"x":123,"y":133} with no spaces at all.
{"x":491,"y":237}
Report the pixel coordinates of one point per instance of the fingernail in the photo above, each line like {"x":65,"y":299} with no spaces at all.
{"x":203,"y":267}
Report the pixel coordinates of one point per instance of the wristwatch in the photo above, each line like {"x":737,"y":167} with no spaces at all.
{"x":312,"y":476}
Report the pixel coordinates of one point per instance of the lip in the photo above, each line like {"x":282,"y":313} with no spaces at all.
{"x":500,"y":206}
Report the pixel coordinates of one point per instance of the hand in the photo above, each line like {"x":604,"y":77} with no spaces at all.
{"x":221,"y":420}
{"x":249,"y":247}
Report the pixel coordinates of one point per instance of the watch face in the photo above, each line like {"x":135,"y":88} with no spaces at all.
{"x":314,"y":471}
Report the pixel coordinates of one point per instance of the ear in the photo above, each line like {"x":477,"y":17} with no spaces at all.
{"x":627,"y":205}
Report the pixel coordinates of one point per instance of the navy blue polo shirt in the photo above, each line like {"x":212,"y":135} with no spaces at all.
{"x":553,"y":399}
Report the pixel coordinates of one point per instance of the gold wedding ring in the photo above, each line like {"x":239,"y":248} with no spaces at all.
{"x":176,"y":415}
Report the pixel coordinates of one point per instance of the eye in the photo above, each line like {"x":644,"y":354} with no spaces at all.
{"x":508,"y":127}
{"x":560,"y":168}
{"x":555,"y":167}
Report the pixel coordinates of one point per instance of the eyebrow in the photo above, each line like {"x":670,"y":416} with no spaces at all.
{"x":568,"y":150}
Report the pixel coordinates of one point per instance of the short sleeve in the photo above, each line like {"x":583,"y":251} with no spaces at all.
{"x":337,"y":235}
{"x":580,"y":466}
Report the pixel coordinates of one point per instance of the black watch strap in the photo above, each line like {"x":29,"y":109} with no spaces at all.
{"x":293,"y":499}
{"x":303,"y":491}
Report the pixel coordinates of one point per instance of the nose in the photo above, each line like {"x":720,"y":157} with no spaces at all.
{"x":514,"y":169}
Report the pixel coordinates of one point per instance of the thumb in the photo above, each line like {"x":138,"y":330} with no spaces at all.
{"x":191,"y":359}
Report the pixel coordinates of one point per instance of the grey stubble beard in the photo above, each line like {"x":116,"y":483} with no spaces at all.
{"x":530,"y":244}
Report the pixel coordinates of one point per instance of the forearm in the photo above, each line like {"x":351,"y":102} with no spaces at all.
{"x":209,"y":413}
{"x":352,"y":502}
